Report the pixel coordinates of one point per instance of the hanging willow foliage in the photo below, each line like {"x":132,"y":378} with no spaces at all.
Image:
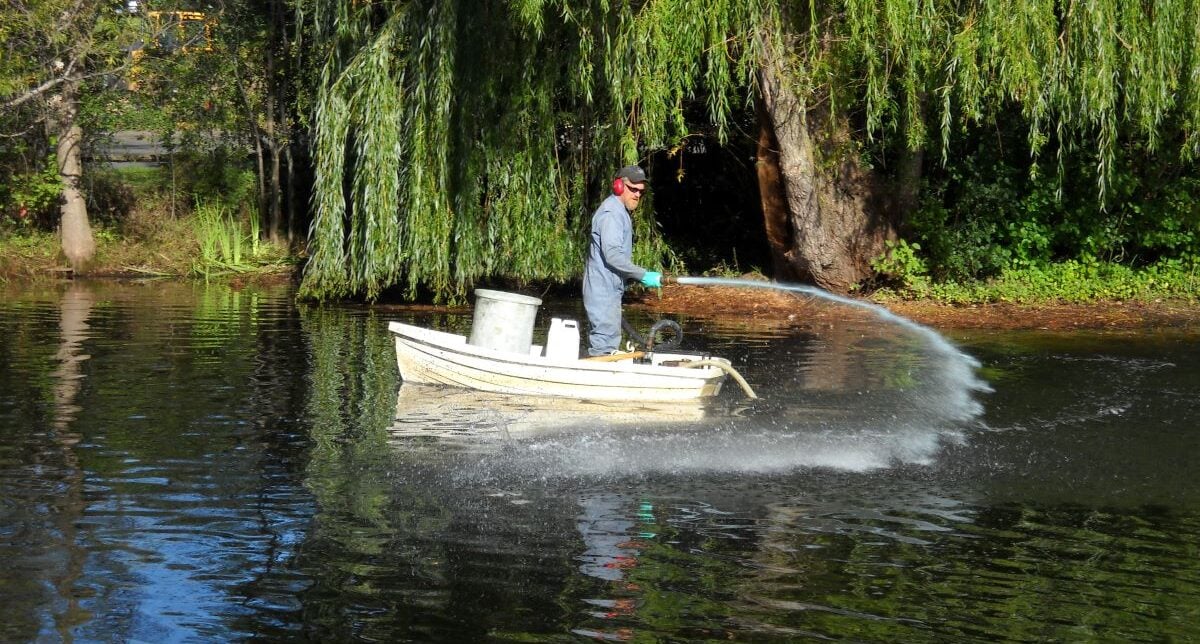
{"x":457,"y":140}
{"x":462,"y":139}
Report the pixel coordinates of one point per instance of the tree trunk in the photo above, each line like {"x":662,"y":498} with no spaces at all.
{"x":261,"y":173}
{"x":824,"y":220}
{"x":276,"y":196}
{"x":257,"y":136}
{"x":77,"y":242}
{"x":271,"y":124}
{"x":290,"y":180}
{"x":908,"y":182}
{"x":285,"y":108}
{"x":269,"y":182}
{"x":774,"y":199}
{"x":910,"y":170}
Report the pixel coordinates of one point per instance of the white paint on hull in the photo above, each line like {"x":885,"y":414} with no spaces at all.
{"x":433,"y":357}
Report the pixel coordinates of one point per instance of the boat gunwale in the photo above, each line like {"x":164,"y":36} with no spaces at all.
{"x":426,"y":337}
{"x":455,"y":369}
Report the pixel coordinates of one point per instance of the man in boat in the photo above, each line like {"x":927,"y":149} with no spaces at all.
{"x":610,"y":261}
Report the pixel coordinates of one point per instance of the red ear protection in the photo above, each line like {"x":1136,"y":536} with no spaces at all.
{"x":618,"y":187}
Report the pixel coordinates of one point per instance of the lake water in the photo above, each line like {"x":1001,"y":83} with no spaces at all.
{"x":190,"y":463}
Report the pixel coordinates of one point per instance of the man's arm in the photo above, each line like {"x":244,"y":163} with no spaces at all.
{"x":615,"y":257}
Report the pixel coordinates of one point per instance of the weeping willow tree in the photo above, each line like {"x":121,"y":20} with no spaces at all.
{"x":457,"y":140}
{"x":838,"y":78}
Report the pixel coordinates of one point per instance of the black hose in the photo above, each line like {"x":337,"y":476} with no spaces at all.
{"x":650,"y":340}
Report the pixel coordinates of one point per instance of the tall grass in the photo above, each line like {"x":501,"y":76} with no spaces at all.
{"x":224,"y":240}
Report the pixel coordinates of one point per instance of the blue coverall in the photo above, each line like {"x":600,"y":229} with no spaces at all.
{"x":609,"y":265}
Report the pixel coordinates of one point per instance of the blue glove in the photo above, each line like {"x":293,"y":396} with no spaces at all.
{"x":652,"y":279}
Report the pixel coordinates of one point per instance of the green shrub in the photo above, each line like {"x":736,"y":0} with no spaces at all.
{"x":29,"y":197}
{"x":1069,"y":281}
{"x":992,"y":210}
{"x":901,"y":265}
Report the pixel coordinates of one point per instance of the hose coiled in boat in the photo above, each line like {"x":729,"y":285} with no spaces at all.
{"x":648,"y":341}
{"x":676,"y":336}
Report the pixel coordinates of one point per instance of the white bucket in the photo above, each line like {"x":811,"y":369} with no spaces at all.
{"x":562,"y":341}
{"x":503,"y":321}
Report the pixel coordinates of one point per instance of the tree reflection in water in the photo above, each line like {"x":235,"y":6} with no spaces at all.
{"x":227,"y":466}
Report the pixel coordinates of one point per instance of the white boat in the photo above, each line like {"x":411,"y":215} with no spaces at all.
{"x":426,"y":356}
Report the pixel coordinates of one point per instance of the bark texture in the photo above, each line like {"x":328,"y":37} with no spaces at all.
{"x":774,"y":199}
{"x":825,"y":220}
{"x":78,"y":244}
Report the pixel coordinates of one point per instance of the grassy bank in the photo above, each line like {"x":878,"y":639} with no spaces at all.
{"x":1069,"y":282}
{"x":145,"y":224}
{"x":173,"y":248}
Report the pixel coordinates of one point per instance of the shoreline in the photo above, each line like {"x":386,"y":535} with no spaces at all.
{"x":781,"y":308}
{"x":770,"y":307}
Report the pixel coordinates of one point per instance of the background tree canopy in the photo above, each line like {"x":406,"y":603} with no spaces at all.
{"x":461,"y":140}
{"x":206,"y":79}
{"x":457,"y":141}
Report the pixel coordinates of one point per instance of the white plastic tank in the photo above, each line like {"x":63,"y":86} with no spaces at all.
{"x":562,"y":340}
{"x":503,"y":321}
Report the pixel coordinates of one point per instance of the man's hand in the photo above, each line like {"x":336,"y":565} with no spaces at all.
{"x":652,"y":279}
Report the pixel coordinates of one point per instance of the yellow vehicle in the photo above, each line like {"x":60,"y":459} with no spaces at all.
{"x":172,"y":32}
{"x":180,"y":31}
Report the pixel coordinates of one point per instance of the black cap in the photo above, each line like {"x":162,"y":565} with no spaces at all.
{"x":632,"y":174}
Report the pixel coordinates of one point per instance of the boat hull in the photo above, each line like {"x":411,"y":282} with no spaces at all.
{"x":424,"y":411}
{"x":432,"y":357}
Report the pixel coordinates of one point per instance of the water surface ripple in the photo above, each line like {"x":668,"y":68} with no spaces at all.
{"x":182,"y":463}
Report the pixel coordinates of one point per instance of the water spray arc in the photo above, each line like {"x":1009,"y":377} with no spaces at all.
{"x":959,"y":376}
